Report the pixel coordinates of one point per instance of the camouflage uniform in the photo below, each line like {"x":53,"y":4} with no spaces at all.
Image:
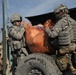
{"x":16,"y":35}
{"x":16,"y":40}
{"x":63,"y":29}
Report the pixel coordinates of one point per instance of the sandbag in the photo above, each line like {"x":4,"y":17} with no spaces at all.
{"x":37,"y":39}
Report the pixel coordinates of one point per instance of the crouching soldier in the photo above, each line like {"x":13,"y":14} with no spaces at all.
{"x":16,"y":39}
{"x":63,"y":31}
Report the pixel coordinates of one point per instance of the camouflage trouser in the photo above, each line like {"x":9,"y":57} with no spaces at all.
{"x":24,"y":51}
{"x":16,"y":55}
{"x":64,"y":58}
{"x":64,"y":61}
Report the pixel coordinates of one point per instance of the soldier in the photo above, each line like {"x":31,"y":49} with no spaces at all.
{"x":16,"y":38}
{"x":64,"y":32}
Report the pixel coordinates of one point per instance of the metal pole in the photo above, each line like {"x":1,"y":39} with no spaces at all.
{"x":4,"y":40}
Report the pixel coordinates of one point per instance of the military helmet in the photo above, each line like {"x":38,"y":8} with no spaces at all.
{"x":62,"y":8}
{"x":15,"y":17}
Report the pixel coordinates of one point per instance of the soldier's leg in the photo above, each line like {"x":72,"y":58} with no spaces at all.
{"x":24,"y":51}
{"x":65,"y":56}
{"x":14,"y":63}
{"x":73,"y":58}
{"x":62,"y":62}
{"x":73,"y":70}
{"x":18,"y":56}
{"x":21,"y":54}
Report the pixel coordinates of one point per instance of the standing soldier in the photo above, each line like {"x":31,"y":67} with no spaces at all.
{"x":63,"y":31}
{"x":16,"y":39}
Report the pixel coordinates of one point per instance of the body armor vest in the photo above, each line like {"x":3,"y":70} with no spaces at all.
{"x":66,"y":36}
{"x":73,"y":24}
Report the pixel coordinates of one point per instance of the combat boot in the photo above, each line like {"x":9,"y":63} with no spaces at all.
{"x":73,"y":70}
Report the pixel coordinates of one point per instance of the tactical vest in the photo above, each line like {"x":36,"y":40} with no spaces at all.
{"x":16,"y":44}
{"x":73,"y":24}
{"x":66,"y":36}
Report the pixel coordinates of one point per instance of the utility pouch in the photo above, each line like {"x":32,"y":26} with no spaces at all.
{"x":64,"y":50}
{"x":17,"y":45}
{"x":62,"y":62}
{"x":72,"y":47}
{"x":67,"y":49}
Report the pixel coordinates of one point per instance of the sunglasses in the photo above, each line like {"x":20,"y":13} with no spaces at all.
{"x":57,"y":12}
{"x":17,"y":21}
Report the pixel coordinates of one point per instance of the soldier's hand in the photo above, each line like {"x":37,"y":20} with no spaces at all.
{"x":24,"y":24}
{"x":48,"y":24}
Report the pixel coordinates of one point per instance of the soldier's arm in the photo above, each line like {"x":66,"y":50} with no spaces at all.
{"x":54,"y":32}
{"x":16,"y":34}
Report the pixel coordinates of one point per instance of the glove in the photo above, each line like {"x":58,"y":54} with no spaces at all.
{"x":48,"y":24}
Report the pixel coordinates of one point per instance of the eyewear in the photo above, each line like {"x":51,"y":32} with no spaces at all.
{"x":17,"y":21}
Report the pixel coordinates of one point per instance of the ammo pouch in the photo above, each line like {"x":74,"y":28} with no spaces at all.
{"x":64,"y":50}
{"x":17,"y":45}
{"x":67,"y":49}
{"x":62,"y":62}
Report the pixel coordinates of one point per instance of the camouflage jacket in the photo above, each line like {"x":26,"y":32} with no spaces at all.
{"x":60,"y":25}
{"x":16,"y":37}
